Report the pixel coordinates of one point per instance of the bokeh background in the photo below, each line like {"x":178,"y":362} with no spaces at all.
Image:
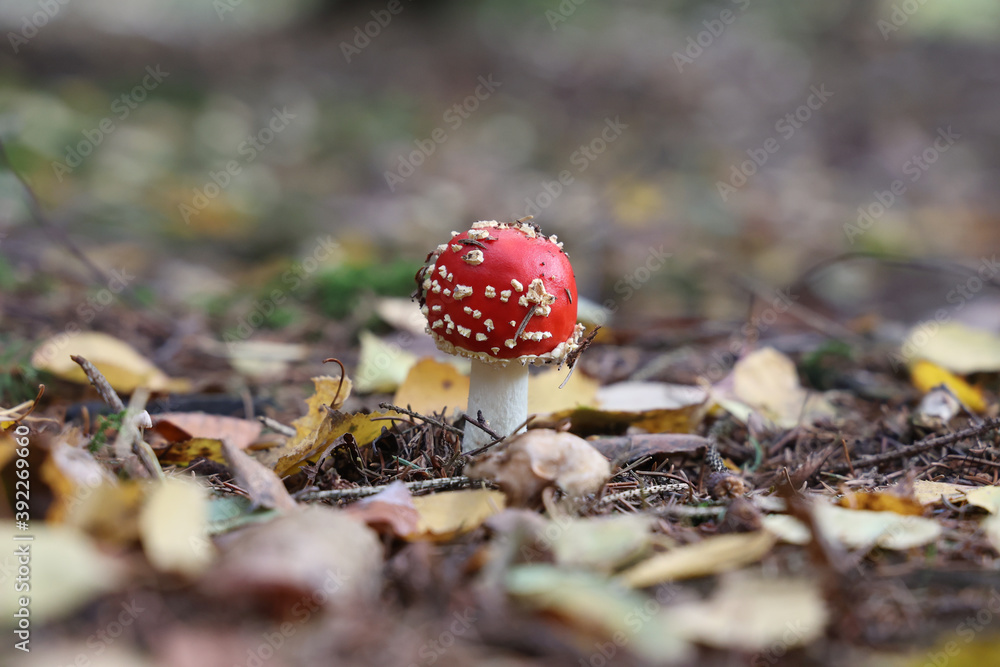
{"x":219,"y":152}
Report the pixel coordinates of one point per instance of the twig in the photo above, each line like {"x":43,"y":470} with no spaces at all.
{"x":847,"y":455}
{"x":343,"y":374}
{"x":276,"y":426}
{"x":643,"y":492}
{"x":417,"y":415}
{"x":441,"y":484}
{"x":101,"y":384}
{"x":920,"y":446}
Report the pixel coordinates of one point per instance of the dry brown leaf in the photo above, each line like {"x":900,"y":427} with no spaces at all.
{"x":627,"y":448}
{"x":541,"y":458}
{"x":123,"y":366}
{"x":586,"y":421}
{"x":446,"y":514}
{"x":390,"y":511}
{"x":173,"y":526}
{"x":711,"y":555}
{"x":431,"y":386}
{"x":261,"y":484}
{"x":239,"y":432}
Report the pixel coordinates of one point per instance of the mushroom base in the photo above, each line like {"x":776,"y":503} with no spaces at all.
{"x":501,"y":392}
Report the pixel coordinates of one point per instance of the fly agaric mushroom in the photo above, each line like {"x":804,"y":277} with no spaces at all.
{"x":502,"y":294}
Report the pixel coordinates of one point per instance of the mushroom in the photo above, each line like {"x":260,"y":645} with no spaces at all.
{"x":502,"y":294}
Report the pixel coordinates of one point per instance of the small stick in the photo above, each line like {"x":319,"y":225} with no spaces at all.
{"x":443,"y":483}
{"x":847,"y":455}
{"x":343,"y":374}
{"x":276,"y":426}
{"x":417,"y":415}
{"x":643,"y":492}
{"x":921,"y":446}
{"x":101,"y":384}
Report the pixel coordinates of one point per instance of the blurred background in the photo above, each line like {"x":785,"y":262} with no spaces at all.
{"x":254,"y":169}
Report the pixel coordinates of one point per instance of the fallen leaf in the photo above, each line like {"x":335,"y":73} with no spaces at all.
{"x":431,"y":386}
{"x":586,"y":422}
{"x":641,"y":396}
{"x":109,"y":511}
{"x":382,"y":366}
{"x":446,"y":514}
{"x":545,"y":394}
{"x":173,"y":526}
{"x":390,"y":511}
{"x":601,"y":611}
{"x":67,"y":571}
{"x":955,"y":346}
{"x":365,"y":427}
{"x":239,"y":432}
{"x":991,"y":527}
{"x":311,"y":557}
{"x":926,"y":375}
{"x":628,"y":448}
{"x":123,"y":366}
{"x":402,"y":313}
{"x":753,"y":613}
{"x":881,"y":501}
{"x":929,"y":493}
{"x":711,"y":555}
{"x":261,"y":484}
{"x":602,"y":544}
{"x":767,"y":381}
{"x":540,"y":458}
{"x":263,"y":359}
{"x":186,"y":452}
{"x":987,"y":497}
{"x":858,"y":528}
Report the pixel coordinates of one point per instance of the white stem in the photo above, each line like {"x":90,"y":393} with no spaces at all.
{"x":502,"y":394}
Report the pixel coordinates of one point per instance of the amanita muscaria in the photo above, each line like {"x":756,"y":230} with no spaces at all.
{"x":502,"y":294}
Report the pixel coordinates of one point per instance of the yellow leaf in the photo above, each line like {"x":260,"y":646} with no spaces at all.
{"x":329,"y":391}
{"x":954,"y":346}
{"x":766,"y":380}
{"x":297,"y":451}
{"x":881,"y":501}
{"x":858,"y":528}
{"x":173,"y":526}
{"x":712,"y":555}
{"x":123,"y":366}
{"x":544,"y":394}
{"x":987,"y":497}
{"x":927,"y":375}
{"x":431,"y":386}
{"x":381,"y":366}
{"x":929,"y":493}
{"x":448,"y":513}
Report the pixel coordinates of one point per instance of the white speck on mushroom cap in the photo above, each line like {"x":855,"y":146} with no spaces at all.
{"x":513,"y":323}
{"x":489,"y":325}
{"x":465,"y":331}
{"x":456,"y":247}
{"x":478,"y":234}
{"x":462,"y":291}
{"x":490,"y":291}
{"x":480,"y":337}
{"x":473,"y":257}
{"x":516,"y":284}
{"x":504,"y":295}
{"x":510,"y":342}
{"x":446,"y":291}
{"x":436,"y":307}
{"x":443,"y":270}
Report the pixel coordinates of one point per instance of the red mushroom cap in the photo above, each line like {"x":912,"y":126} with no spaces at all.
{"x":501,"y":291}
